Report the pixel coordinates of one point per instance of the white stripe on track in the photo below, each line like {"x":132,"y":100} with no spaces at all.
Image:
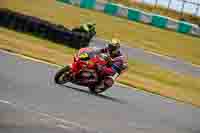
{"x":66,"y":124}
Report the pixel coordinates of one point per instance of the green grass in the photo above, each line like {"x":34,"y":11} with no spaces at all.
{"x":154,"y":79}
{"x":150,"y":78}
{"x":135,"y":34}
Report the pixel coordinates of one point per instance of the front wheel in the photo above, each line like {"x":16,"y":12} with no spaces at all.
{"x":63,"y":75}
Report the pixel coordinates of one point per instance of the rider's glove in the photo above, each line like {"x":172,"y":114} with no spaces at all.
{"x":110,"y":62}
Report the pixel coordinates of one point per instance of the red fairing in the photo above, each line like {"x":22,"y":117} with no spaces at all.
{"x":79,"y":64}
{"x":75,"y":67}
{"x":108,"y":71}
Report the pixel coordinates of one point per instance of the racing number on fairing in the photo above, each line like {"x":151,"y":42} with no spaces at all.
{"x":83,"y":56}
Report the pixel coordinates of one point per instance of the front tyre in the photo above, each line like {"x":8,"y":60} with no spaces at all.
{"x":63,"y":75}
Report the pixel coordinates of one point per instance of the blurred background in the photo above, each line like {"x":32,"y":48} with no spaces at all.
{"x":187,"y":10}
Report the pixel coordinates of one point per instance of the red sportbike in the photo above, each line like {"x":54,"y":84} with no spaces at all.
{"x":84,"y":71}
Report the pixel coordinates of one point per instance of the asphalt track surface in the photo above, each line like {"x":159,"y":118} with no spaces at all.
{"x":16,"y":119}
{"x":30,"y":102}
{"x":165,"y":62}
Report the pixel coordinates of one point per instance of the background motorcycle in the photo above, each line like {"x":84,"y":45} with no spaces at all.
{"x":88,"y":35}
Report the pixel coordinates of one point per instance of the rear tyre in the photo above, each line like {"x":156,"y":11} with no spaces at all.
{"x":108,"y":82}
{"x":63,"y":75}
{"x":95,"y":90}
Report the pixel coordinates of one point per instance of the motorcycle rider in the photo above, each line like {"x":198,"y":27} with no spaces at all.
{"x":88,"y":27}
{"x":116,"y":63}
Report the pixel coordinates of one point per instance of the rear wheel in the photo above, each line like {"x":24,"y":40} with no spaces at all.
{"x":63,"y":75}
{"x":108,"y":82}
{"x":95,"y":90}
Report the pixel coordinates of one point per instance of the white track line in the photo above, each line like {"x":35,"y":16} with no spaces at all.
{"x":6,"y":102}
{"x":62,"y":126}
{"x":171,"y":58}
{"x":159,"y":55}
{"x":29,"y":58}
{"x":51,"y":117}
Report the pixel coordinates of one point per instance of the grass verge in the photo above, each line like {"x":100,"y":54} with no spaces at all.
{"x":135,"y":34}
{"x":150,"y":78}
